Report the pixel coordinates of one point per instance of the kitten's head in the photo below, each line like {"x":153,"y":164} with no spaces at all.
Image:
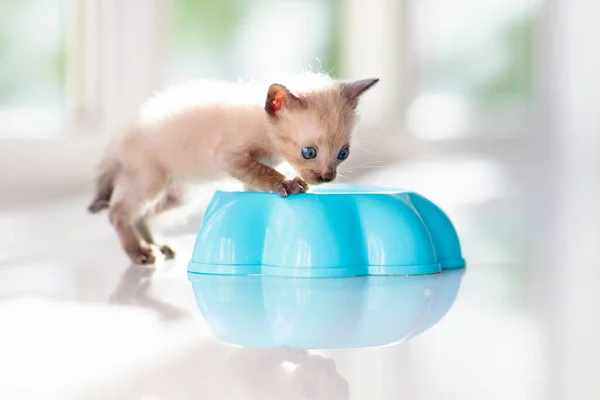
{"x":312,"y":130}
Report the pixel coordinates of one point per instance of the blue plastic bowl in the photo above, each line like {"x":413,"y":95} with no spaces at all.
{"x":368,"y":311}
{"x":334,"y":231}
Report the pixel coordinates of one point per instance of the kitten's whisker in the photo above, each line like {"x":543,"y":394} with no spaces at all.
{"x":374,"y":166}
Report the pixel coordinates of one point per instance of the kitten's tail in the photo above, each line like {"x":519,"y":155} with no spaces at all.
{"x":105,"y":185}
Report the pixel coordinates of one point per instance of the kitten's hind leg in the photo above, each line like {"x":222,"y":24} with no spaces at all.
{"x":124,"y":212}
{"x":143,"y":230}
{"x":120,"y":217}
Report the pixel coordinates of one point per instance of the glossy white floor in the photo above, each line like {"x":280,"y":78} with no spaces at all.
{"x":78,"y":322}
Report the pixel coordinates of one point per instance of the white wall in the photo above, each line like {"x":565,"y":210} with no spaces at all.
{"x":573,"y":249}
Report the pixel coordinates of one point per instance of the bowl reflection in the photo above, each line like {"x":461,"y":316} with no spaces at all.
{"x":367,"y":311}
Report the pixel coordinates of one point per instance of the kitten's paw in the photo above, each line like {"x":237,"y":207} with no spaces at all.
{"x":290,"y":186}
{"x":280,"y":188}
{"x":141,"y":255}
{"x":167,"y":251}
{"x":295,"y":186}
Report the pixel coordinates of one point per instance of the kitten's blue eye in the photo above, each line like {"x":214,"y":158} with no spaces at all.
{"x":344,"y":153}
{"x":309,"y":152}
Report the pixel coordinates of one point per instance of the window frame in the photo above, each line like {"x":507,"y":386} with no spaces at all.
{"x":100,"y":43}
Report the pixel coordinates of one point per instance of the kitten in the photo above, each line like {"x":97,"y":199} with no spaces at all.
{"x":206,"y":130}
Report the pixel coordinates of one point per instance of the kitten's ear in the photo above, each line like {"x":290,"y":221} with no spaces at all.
{"x":352,"y":90}
{"x":279,"y":97}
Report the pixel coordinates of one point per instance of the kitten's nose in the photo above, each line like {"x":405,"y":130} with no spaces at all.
{"x":328,"y":177}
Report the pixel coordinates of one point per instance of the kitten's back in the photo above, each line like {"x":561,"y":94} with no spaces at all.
{"x":204,"y":93}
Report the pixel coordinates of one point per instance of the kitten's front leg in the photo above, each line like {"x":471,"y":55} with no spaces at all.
{"x":262,"y":177}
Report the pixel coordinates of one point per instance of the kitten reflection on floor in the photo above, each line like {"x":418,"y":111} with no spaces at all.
{"x":221,"y":372}
{"x":213,"y":370}
{"x":133,"y":287}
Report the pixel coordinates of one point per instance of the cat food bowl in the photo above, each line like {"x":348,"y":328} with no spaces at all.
{"x":333,"y":231}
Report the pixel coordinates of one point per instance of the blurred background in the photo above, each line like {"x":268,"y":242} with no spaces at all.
{"x":487,"y":105}
{"x":456,"y":76}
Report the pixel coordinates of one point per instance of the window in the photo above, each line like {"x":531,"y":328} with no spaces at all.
{"x":473,"y":64}
{"x":32,"y":66}
{"x":250,"y":39}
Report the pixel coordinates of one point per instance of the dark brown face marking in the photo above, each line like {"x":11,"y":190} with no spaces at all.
{"x":354,"y":89}
{"x":323,"y":119}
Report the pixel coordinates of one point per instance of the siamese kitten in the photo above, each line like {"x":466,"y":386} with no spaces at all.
{"x":206,"y":130}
